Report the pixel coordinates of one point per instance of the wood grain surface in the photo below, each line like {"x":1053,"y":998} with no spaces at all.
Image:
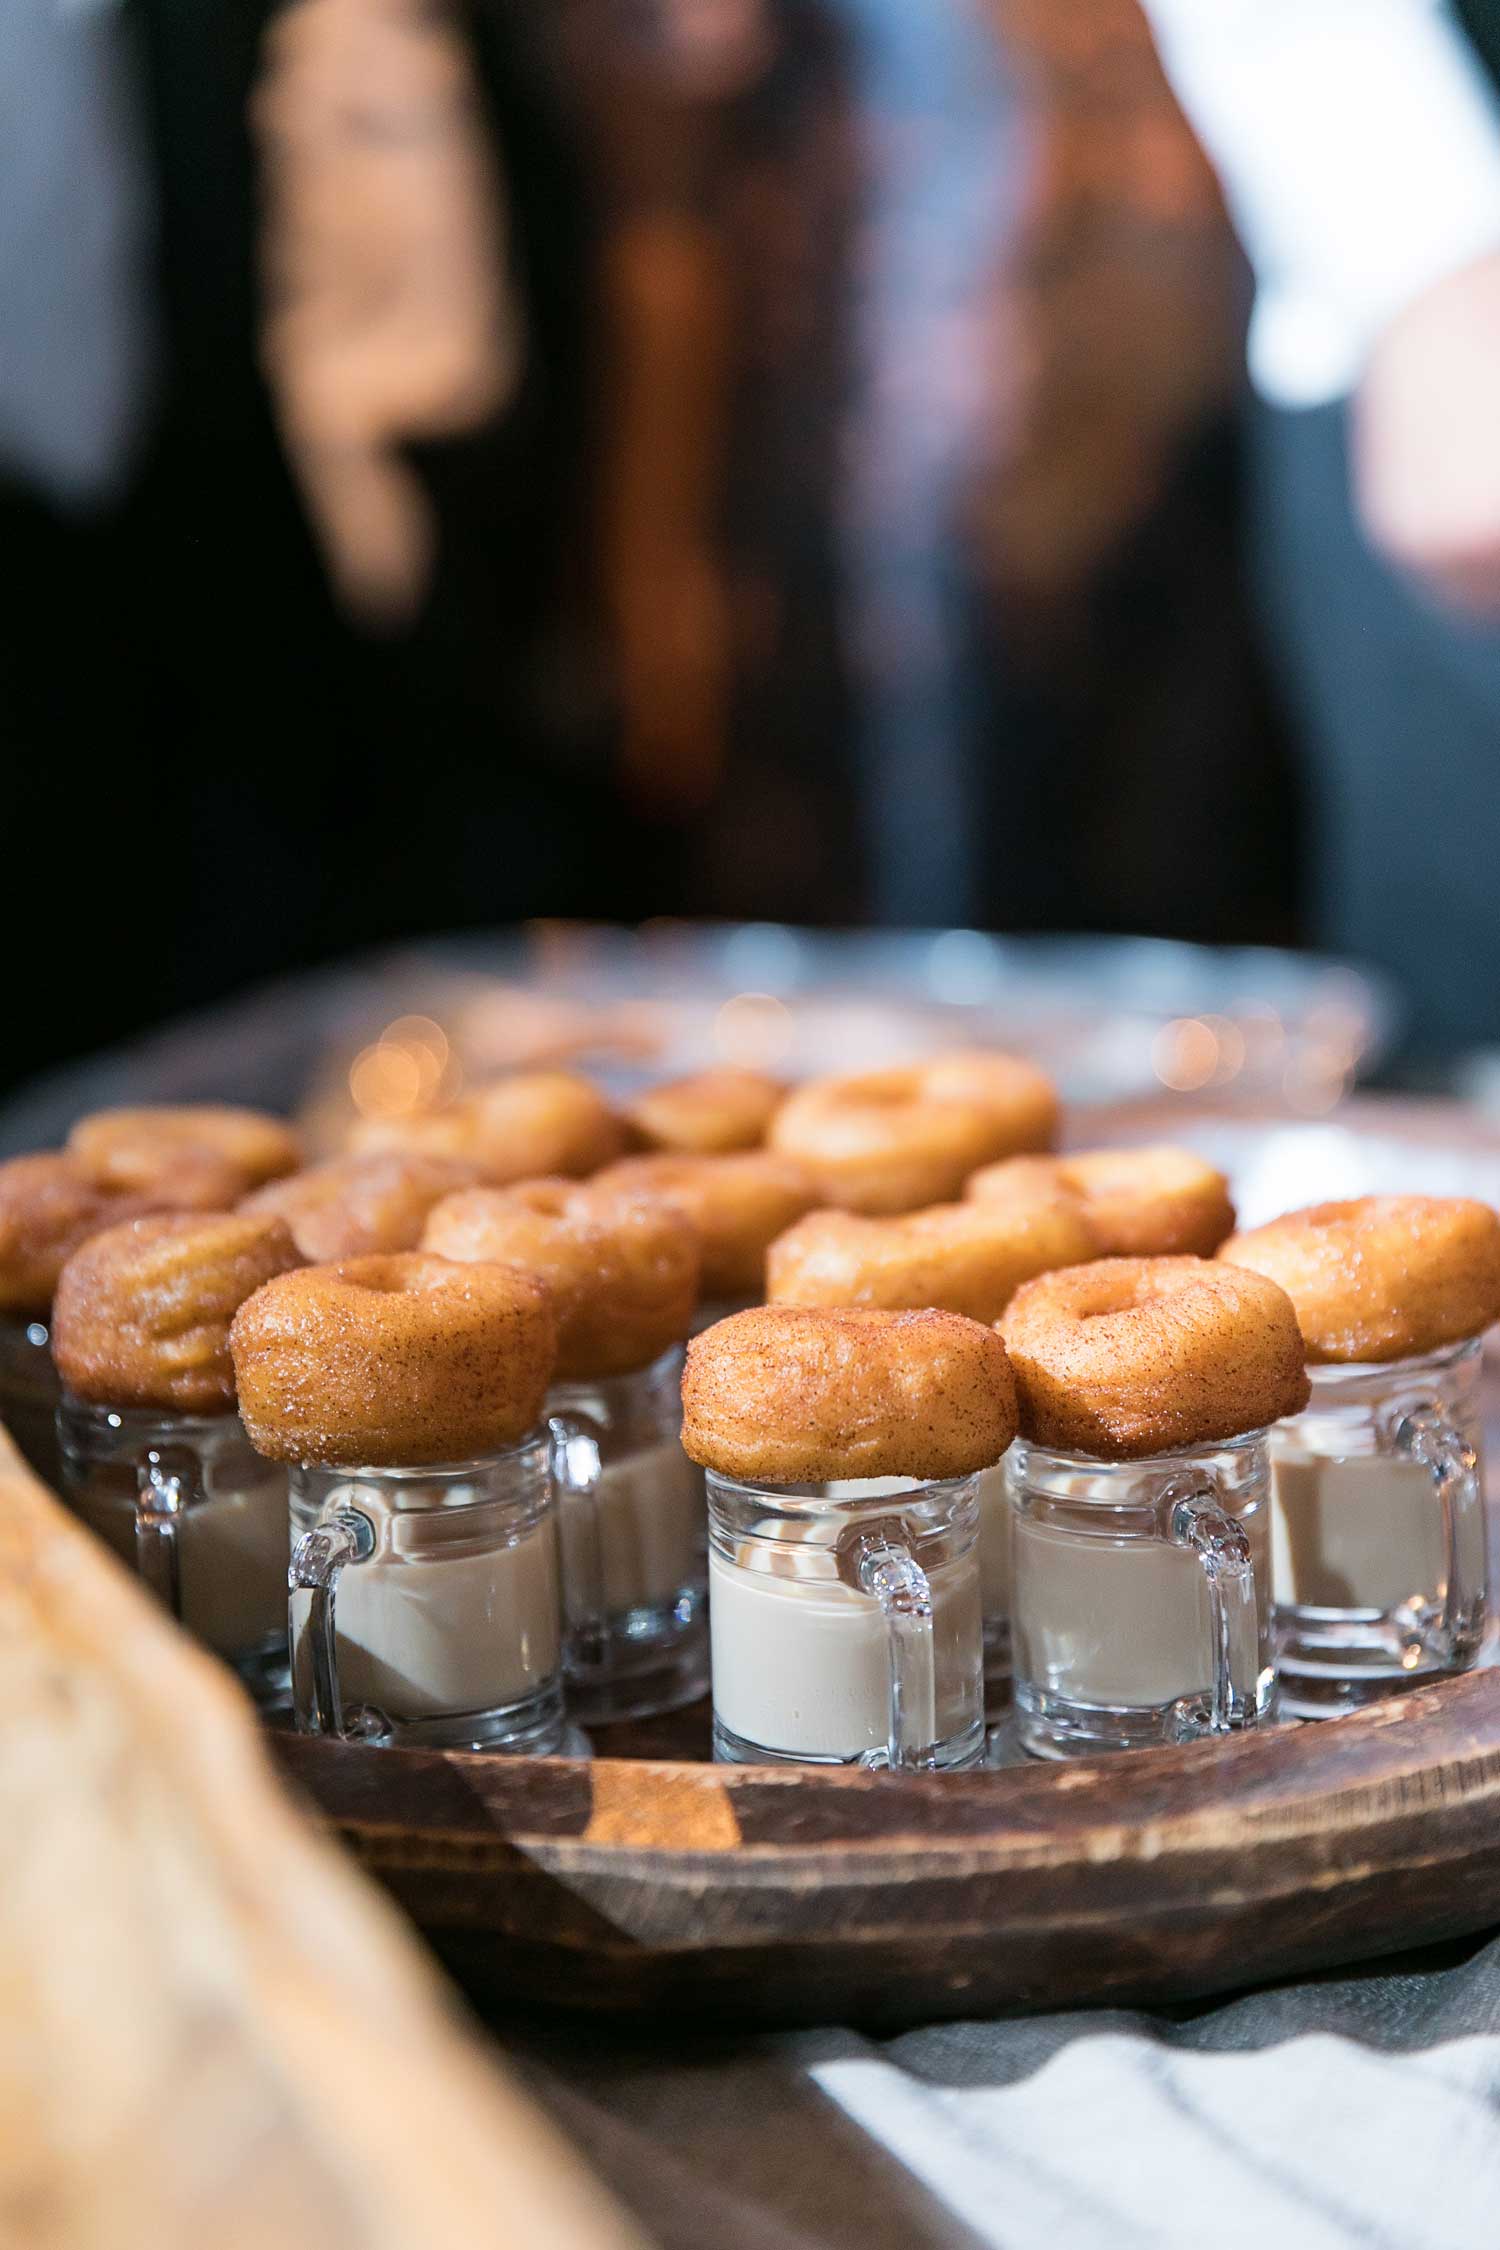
{"x":212,"y":2030}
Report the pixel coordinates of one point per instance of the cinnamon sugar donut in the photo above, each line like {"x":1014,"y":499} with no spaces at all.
{"x":738,"y":1204}
{"x":405,"y":1361}
{"x":524,"y":1127}
{"x":965,"y":1257}
{"x":355,"y":1206}
{"x":1134,"y":1356}
{"x":1141,"y":1202}
{"x":143,"y":1310}
{"x":48,"y":1207}
{"x":714,"y":1113}
{"x":622,"y":1268}
{"x":198,"y":1156}
{"x":791,"y":1394}
{"x":894,"y":1140}
{"x":1382,"y":1277}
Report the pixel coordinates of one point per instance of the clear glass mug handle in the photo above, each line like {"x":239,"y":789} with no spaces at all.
{"x":1425,"y":1434}
{"x":318,"y":1560}
{"x":577,"y":1467}
{"x":168,"y":1481}
{"x":879,"y":1562}
{"x":1196,"y":1520}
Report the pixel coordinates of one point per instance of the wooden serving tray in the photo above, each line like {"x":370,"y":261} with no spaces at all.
{"x":647,"y":1880}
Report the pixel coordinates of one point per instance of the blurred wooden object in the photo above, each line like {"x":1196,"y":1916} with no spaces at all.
{"x":213,"y":2031}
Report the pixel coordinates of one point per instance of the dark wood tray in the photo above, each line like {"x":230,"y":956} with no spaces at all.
{"x":646,"y":1880}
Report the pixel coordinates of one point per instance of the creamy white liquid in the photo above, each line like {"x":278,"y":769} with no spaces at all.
{"x":232,"y":1552}
{"x":1120,"y":1622}
{"x":802,"y":1665}
{"x":447,"y":1627}
{"x":1361,"y":1533}
{"x":651,"y":1529}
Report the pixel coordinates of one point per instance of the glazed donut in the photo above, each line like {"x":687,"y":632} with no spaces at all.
{"x":355,"y":1206}
{"x":525,"y":1127}
{"x":793,"y":1394}
{"x":738,"y":1204}
{"x":199,"y":1157}
{"x":713,"y":1114}
{"x":1382,"y":1277}
{"x":622,"y":1269}
{"x":393,"y":1362}
{"x":895,"y":1140}
{"x":1140,"y":1202}
{"x":142,"y":1312}
{"x":1135,"y":1356}
{"x":48,"y":1207}
{"x":966,"y":1257}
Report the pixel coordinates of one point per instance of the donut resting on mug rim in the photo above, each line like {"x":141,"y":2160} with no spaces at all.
{"x":48,"y":1209}
{"x":528,"y":1126}
{"x":355,"y":1206}
{"x":967,"y":1258}
{"x":407,"y":1361}
{"x":713,"y":1113}
{"x":792,"y":1394}
{"x":738,"y":1204}
{"x":1136,"y":1356}
{"x":196,"y":1155}
{"x":1156,"y":1202}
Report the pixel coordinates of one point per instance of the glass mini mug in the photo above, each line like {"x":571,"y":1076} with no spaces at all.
{"x":1379,"y":1565}
{"x":188,"y":1503}
{"x":1140,"y":1597}
{"x":425,"y":1603}
{"x":30,"y":1392}
{"x":631,"y":1521}
{"x":845,"y":1621}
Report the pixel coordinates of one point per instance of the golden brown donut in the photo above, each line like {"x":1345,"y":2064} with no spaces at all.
{"x":1136,"y":1356}
{"x":1141,"y":1202}
{"x":965,"y":1257}
{"x":794,"y":1394}
{"x":1382,"y":1277}
{"x":199,"y":1156}
{"x":895,"y":1140}
{"x":354,"y":1206}
{"x":622,"y":1268}
{"x":406,"y":1361}
{"x":142,"y":1312}
{"x":529,"y":1126}
{"x":48,"y":1207}
{"x":714,"y":1113}
{"x":739,"y":1204}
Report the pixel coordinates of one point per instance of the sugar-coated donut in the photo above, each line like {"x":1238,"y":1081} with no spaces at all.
{"x":197,"y":1156}
{"x":528,"y":1126}
{"x":895,"y":1140}
{"x":48,"y":1207}
{"x":792,"y":1394}
{"x":1135,"y":1356}
{"x":622,"y":1268}
{"x":739,"y":1204}
{"x":354,"y":1206}
{"x":713,"y":1113}
{"x":1141,"y":1202}
{"x":406,"y":1361}
{"x":1382,"y":1277}
{"x":965,"y":1257}
{"x":143,"y":1310}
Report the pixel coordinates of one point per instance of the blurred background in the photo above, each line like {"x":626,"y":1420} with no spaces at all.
{"x":467,"y":461}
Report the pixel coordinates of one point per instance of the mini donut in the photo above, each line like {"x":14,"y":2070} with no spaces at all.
{"x":794,"y":1394}
{"x":1135,"y":1356}
{"x":199,"y":1156}
{"x":966,"y":1257}
{"x":739,"y":1204}
{"x":895,"y":1140}
{"x":48,"y":1207}
{"x":622,"y":1268}
{"x":142,"y":1312}
{"x":1382,"y":1277}
{"x":532,"y":1125}
{"x":355,"y":1206}
{"x":1141,"y":1202}
{"x":393,"y":1362}
{"x":713,"y":1114}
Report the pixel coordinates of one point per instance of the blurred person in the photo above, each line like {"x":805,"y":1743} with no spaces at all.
{"x":1359,"y":144}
